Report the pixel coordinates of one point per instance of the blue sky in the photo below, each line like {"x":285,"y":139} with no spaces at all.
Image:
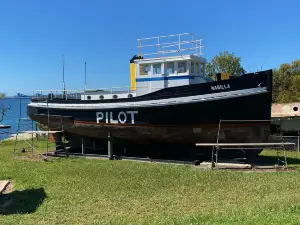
{"x":34,"y":34}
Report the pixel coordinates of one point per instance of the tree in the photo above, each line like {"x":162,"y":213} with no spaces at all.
{"x":225,"y":62}
{"x":2,"y":95}
{"x":286,"y":83}
{"x":3,"y":110}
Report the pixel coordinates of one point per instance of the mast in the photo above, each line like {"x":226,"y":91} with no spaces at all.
{"x":85,"y":80}
{"x":63,"y":73}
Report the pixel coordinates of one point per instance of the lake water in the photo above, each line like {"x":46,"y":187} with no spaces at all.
{"x":18,"y":109}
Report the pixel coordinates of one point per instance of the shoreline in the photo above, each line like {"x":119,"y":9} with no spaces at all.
{"x":21,"y":137}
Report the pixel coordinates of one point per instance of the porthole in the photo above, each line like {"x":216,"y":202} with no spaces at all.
{"x":295,"y":108}
{"x":115,"y":96}
{"x":101,"y":97}
{"x":89,"y":97}
{"x":130,"y":96}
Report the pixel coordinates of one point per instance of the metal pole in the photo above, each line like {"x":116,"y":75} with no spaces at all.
{"x":85,"y":81}
{"x":32,"y":135}
{"x":285,"y":160}
{"x":15,"y":147}
{"x":212,"y":156}
{"x":20,"y":108}
{"x":82,"y":146}
{"x":298,"y":143}
{"x":219,"y":132}
{"x":64,"y":85}
{"x":178,"y":42}
{"x":193,"y":44}
{"x":217,"y":152}
{"x":158,"y":47}
{"x":48,"y":127}
{"x":110,"y":146}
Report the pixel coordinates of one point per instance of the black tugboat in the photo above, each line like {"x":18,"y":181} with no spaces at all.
{"x":170,"y":100}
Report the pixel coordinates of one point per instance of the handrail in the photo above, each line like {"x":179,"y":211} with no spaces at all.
{"x":67,"y":94}
{"x":98,"y":89}
{"x":194,"y":40}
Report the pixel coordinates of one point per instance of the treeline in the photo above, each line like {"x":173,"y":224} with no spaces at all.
{"x":286,"y":79}
{"x":2,"y":95}
{"x":286,"y":83}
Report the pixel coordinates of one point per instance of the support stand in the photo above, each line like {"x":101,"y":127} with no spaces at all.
{"x":216,"y":147}
{"x":110,"y":146}
{"x":82,"y":146}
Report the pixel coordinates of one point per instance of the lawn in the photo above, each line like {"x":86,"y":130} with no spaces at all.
{"x":91,"y":191}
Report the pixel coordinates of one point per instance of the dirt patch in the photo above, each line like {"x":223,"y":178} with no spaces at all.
{"x":30,"y":157}
{"x":34,"y":156}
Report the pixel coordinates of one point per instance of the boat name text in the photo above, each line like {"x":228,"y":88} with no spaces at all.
{"x":220,"y":87}
{"x":122,"y":117}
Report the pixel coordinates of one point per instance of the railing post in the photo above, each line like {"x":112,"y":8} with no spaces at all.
{"x":158,"y":47}
{"x":178,"y":42}
{"x":140,"y":47}
{"x":193,"y":44}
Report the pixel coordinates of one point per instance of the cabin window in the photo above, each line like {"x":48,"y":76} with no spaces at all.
{"x":202,"y":68}
{"x":144,"y":69}
{"x":197,"y":67}
{"x":181,"y":67}
{"x":157,"y":68}
{"x":89,"y":97}
{"x":170,"y":68}
{"x":192,"y":67}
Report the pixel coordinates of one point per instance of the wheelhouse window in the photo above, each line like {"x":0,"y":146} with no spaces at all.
{"x":144,"y":69}
{"x":182,"y":68}
{"x":192,"y":67}
{"x":157,"y":68}
{"x":197,"y":67}
{"x":170,"y":68}
{"x":202,"y":68}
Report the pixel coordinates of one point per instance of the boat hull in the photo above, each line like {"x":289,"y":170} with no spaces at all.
{"x":237,"y":110}
{"x":185,"y":123}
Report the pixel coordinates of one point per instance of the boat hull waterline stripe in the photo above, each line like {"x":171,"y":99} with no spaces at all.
{"x":153,"y":103}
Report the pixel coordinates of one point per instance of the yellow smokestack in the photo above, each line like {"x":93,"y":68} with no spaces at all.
{"x":132,"y":77}
{"x":133,"y":72}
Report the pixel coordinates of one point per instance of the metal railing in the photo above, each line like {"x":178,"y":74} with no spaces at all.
{"x":169,"y":45}
{"x":294,"y":139}
{"x":77,"y":94}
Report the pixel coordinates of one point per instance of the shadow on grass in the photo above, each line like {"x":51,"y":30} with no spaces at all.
{"x":274,"y":160}
{"x":21,"y":202}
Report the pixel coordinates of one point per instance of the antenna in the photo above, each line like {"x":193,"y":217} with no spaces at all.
{"x":85,"y":81}
{"x":64,"y":84}
{"x":263,"y":64}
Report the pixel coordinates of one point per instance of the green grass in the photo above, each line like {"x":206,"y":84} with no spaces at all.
{"x":86,"y":191}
